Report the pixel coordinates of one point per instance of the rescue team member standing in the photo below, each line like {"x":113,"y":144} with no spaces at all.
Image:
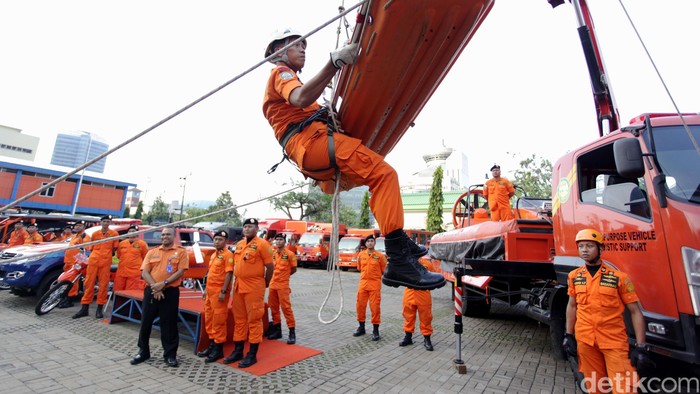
{"x":252,"y":267}
{"x":69,"y":260}
{"x":285,"y":266}
{"x":498,"y":191}
{"x":598,"y":294}
{"x":216,"y":297}
{"x":422,"y":302}
{"x":371,"y":265}
{"x":162,"y":270}
{"x":98,"y":269}
{"x":19,"y":235}
{"x":33,"y":236}
{"x":130,"y":253}
{"x":65,"y":236}
{"x":298,"y":123}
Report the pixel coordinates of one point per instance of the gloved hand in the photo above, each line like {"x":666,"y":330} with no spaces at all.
{"x":344,"y":56}
{"x":569,"y":345}
{"x":641,"y":359}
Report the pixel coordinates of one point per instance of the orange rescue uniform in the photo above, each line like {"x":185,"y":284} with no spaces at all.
{"x":249,"y":260}
{"x":600,"y":328}
{"x":371,"y":267}
{"x":420,"y":301}
{"x":33,"y":238}
{"x":498,"y":194}
{"x":162,"y":263}
{"x":18,"y":237}
{"x":99,"y":265}
{"x":215,"y":311}
{"x":69,"y":258}
{"x":279,"y":287}
{"x":358,"y":164}
{"x":130,"y":254}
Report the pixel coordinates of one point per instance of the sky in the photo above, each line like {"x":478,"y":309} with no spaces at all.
{"x":117,"y":68}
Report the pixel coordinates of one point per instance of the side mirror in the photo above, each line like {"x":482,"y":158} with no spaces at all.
{"x":628,"y":158}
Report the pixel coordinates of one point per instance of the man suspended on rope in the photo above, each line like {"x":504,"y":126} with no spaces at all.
{"x":301,"y":127}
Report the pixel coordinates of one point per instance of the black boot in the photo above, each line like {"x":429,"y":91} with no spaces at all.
{"x":427,"y":344}
{"x":360,"y":330}
{"x":375,"y":333}
{"x":208,"y":350}
{"x":84,"y":311}
{"x":404,"y":269}
{"x":275,"y":331}
{"x":407,"y":339}
{"x":98,"y":313}
{"x":292,"y":337}
{"x":236,"y":354}
{"x":216,"y":353}
{"x":250,"y":358}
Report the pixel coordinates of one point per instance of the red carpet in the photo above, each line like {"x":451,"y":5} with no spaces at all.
{"x":272,"y":355}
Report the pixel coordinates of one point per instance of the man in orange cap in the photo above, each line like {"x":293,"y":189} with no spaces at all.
{"x":498,"y":191}
{"x":598,"y":295}
{"x":33,"y":236}
{"x":285,"y":266}
{"x":253,"y":268}
{"x":419,"y":301}
{"x":98,"y":269}
{"x":371,"y":264}
{"x":69,"y":260}
{"x":19,"y":235}
{"x":216,"y":297}
{"x":307,"y":139}
{"x":130,"y":253}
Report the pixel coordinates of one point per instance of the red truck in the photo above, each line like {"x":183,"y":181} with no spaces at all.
{"x":312,"y":249}
{"x":350,"y":245}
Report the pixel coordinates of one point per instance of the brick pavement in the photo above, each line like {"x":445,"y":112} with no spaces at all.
{"x":507,"y":353}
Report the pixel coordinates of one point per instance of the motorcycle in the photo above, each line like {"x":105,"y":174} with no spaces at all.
{"x":60,"y":288}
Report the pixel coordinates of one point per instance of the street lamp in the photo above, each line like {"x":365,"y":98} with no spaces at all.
{"x":182,"y":202}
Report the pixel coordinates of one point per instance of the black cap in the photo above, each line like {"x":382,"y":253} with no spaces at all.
{"x":31,"y":224}
{"x":133,"y":227}
{"x":495,"y":167}
{"x":106,"y":217}
{"x":69,"y":227}
{"x":252,"y":221}
{"x":81,"y":222}
{"x":221,"y":233}
{"x":280,"y":236}
{"x":371,"y":236}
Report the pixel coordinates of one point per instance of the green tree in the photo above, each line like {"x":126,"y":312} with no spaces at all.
{"x":433,"y":221}
{"x":127,"y":212}
{"x":364,"y":212}
{"x":230,"y":217}
{"x":535,"y":177}
{"x":306,"y":201}
{"x":159,"y":212}
{"x":323,"y":212}
{"x":139,"y":211}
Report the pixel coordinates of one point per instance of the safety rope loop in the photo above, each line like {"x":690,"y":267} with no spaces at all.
{"x":333,"y":254}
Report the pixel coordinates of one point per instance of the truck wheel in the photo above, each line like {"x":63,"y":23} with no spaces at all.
{"x":344,"y":268}
{"x":475,"y":308}
{"x":556,"y":337}
{"x":52,"y":298}
{"x":46,"y":283}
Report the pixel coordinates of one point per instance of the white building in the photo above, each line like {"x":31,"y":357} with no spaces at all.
{"x":455,"y":170}
{"x":17,"y":145}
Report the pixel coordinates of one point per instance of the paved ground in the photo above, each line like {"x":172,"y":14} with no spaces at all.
{"x":507,"y":353}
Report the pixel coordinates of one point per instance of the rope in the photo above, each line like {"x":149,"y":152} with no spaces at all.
{"x":176,"y":113}
{"x":333,"y":254}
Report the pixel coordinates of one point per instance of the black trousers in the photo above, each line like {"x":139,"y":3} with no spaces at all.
{"x":167,"y":310}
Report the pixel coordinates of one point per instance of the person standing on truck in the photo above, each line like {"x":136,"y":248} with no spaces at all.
{"x":498,"y":191}
{"x":285,"y":266}
{"x":69,"y":260}
{"x":33,"y":236}
{"x":253,"y":268}
{"x":371,"y":265}
{"x":130,"y":253}
{"x":216,"y":297}
{"x":302,"y":128}
{"x":419,"y":301}
{"x":595,"y":328}
{"x":162,"y":269}
{"x":98,"y":269}
{"x":19,"y":235}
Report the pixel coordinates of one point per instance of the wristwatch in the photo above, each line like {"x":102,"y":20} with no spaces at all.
{"x":642,"y":346}
{"x":165,"y":282}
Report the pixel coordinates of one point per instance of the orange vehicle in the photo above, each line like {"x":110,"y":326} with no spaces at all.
{"x":350,"y":245}
{"x":312,"y":249}
{"x":293,"y":231}
{"x":639,"y":185}
{"x":420,"y":237}
{"x":268,"y":228}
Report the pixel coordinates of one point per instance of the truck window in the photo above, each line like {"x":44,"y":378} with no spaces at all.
{"x":677,"y":157}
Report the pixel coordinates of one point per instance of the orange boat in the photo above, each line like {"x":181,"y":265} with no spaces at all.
{"x":407,"y":48}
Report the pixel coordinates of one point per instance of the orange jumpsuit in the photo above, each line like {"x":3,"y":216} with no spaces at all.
{"x":63,"y":238}
{"x":421,"y":301}
{"x":498,"y":194}
{"x":69,"y":258}
{"x":249,"y":260}
{"x":98,"y":269}
{"x":215,"y":311}
{"x":371,"y":267}
{"x":279,"y":287}
{"x":33,"y":238}
{"x":130,"y":254}
{"x":18,"y":237}
{"x":600,"y":328}
{"x":358,"y":164}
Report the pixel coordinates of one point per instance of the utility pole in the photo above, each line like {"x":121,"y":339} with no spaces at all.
{"x":184,"y":185}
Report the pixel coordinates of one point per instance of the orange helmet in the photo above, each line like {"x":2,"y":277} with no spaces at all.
{"x":589,"y":234}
